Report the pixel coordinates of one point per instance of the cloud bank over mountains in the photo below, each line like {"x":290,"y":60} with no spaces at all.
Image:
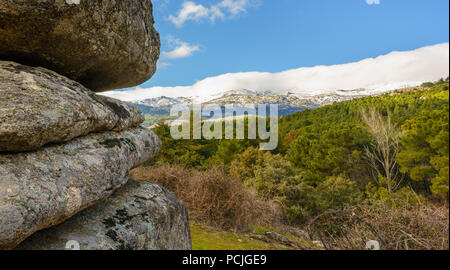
{"x":383,"y":73}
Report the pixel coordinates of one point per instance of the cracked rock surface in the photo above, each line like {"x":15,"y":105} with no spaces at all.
{"x":139,"y":216}
{"x":44,"y":188}
{"x":39,"y":106}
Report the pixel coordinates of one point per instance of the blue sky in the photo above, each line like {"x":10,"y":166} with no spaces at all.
{"x":277,"y":35}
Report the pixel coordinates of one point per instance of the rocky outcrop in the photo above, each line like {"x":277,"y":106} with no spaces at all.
{"x":104,"y":45}
{"x":63,"y":149}
{"x":39,"y":106}
{"x":43,"y":188}
{"x":138,"y":216}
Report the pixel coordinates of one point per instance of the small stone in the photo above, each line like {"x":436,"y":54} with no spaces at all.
{"x":279,"y":238}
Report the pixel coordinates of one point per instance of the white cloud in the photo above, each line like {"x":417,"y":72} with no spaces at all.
{"x":163,"y":64}
{"x":180,"y":49}
{"x":373,"y":2}
{"x":394,"y":70}
{"x":191,"y":11}
{"x":234,"y":7}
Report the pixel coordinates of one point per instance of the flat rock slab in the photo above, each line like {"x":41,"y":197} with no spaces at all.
{"x":39,"y":106}
{"x":44,"y":188}
{"x":104,"y":45}
{"x":138,"y":216}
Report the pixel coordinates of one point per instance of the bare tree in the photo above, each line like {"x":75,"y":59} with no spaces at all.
{"x":381,"y":154}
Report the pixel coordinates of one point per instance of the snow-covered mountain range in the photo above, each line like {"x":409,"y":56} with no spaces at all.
{"x":287,"y":103}
{"x":369,"y":76}
{"x":302,"y":88}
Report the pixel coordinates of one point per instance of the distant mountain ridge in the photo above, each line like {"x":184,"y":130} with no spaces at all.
{"x":397,"y":69}
{"x":159,"y":107}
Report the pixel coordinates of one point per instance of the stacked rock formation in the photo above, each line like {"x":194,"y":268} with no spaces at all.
{"x":65,"y":152}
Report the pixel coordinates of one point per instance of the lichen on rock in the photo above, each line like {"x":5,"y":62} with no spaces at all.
{"x":39,"y":106}
{"x":104,"y":45}
{"x":65,"y":152}
{"x":138,"y":216}
{"x":44,"y":188}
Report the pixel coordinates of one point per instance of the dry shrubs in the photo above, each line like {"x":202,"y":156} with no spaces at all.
{"x":212,"y":197}
{"x":414,"y":227}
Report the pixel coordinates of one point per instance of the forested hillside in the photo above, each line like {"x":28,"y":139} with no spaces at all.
{"x":370,"y":168}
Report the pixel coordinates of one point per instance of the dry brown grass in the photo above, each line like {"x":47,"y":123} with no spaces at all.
{"x":212,"y":197}
{"x":418,"y":227}
{"x":215,"y":199}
